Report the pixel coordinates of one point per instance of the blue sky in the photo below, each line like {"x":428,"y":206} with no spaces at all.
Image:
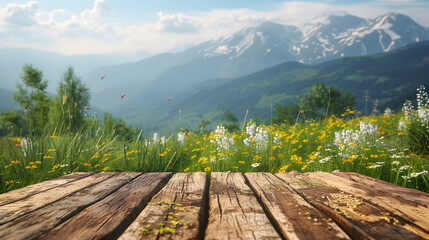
{"x":108,"y":26}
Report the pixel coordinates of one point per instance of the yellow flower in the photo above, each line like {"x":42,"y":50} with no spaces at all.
{"x":53,"y":136}
{"x":105,"y":169}
{"x":272,"y":158}
{"x":51,"y":150}
{"x":47,"y":157}
{"x":27,"y":167}
{"x":256,"y":158}
{"x":303,"y":168}
{"x":33,"y":166}
{"x":186,"y":169}
{"x":15,"y":139}
{"x":207,"y":169}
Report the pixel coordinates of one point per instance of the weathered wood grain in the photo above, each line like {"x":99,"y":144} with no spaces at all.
{"x":235,"y":212}
{"x":176,"y":212}
{"x":408,"y":210}
{"x":25,"y":192}
{"x":15,"y":209}
{"x":36,"y":223}
{"x":358,"y":217}
{"x":296,"y":218}
{"x":401,"y":193}
{"x":108,"y":218}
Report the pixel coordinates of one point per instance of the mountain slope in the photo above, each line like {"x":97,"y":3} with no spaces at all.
{"x":386,"y":76}
{"x":255,"y":48}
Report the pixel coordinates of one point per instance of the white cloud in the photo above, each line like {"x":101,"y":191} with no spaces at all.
{"x":20,"y":14}
{"x":175,"y":23}
{"x":96,"y":30}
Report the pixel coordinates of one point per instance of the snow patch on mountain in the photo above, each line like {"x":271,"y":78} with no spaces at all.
{"x":323,"y":38}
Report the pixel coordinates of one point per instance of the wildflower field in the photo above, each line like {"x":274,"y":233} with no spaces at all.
{"x":376,"y":146}
{"x":390,"y":147}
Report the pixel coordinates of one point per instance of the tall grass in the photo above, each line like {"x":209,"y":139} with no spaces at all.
{"x":379,"y":150}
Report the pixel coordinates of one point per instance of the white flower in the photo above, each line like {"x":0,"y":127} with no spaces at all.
{"x":336,"y":171}
{"x":181,"y":137}
{"x":405,"y":167}
{"x":256,"y":165}
{"x":251,"y":129}
{"x":374,"y":166}
{"x":395,"y":162}
{"x":163,"y":140}
{"x":388,"y":112}
{"x":414,"y":175}
{"x":323,"y":160}
{"x":221,"y":139}
{"x":155,"y":137}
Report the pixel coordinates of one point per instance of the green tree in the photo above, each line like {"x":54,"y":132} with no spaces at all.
{"x":33,"y":98}
{"x":229,"y":120}
{"x":319,"y":103}
{"x":288,"y":113}
{"x":72,"y":99}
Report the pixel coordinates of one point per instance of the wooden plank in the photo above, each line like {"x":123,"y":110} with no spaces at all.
{"x":295,"y":217}
{"x":359,"y":218}
{"x":13,"y":210}
{"x":38,"y":222}
{"x":176,"y":212}
{"x":25,"y":192}
{"x":405,"y":209}
{"x":235,"y":212}
{"x":420,"y":198}
{"x":108,"y":218}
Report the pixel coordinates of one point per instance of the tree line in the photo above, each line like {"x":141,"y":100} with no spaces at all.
{"x":64,"y":112}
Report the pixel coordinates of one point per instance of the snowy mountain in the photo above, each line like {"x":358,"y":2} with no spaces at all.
{"x":340,"y":36}
{"x":323,"y":38}
{"x":251,"y":49}
{"x":256,"y":48}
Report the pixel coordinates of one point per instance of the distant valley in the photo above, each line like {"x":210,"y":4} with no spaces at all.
{"x":389,"y":78}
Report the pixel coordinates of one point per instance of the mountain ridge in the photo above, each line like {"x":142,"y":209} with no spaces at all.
{"x":385,"y":75}
{"x":256,"y":48}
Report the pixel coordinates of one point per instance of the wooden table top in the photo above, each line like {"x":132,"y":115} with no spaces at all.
{"x":132,"y":205}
